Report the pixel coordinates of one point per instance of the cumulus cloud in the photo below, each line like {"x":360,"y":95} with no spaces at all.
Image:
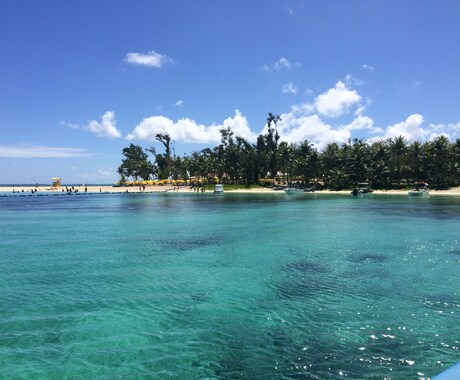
{"x":289,"y":88}
{"x":105,"y":128}
{"x":305,"y":121}
{"x":363,"y":123}
{"x":151,"y":59}
{"x":295,"y":128}
{"x":29,"y":151}
{"x":411,"y":129}
{"x":187,"y":130}
{"x":336,"y":101}
{"x":334,"y":116}
{"x":299,"y":125}
{"x":281,"y":64}
{"x":451,"y":130}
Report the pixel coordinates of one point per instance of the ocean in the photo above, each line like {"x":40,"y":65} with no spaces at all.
{"x":250,"y":286}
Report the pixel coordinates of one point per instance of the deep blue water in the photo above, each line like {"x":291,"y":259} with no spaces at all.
{"x":197,"y":286}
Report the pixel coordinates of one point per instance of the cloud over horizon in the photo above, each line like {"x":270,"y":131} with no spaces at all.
{"x":341,"y":104}
{"x":189,"y":131}
{"x":37,"y":151}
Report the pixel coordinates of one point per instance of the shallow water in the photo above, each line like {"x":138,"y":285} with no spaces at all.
{"x":196,"y":286}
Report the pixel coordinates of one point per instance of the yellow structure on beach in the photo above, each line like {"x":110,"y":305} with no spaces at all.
{"x":56,"y":182}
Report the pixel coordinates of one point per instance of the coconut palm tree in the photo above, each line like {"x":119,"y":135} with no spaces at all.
{"x":415,"y":154}
{"x":398,"y":149}
{"x":379,"y":168}
{"x":439,"y":152}
{"x":285,"y":158}
{"x":357,"y":164}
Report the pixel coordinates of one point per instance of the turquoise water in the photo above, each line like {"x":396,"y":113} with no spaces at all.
{"x":197,"y":286}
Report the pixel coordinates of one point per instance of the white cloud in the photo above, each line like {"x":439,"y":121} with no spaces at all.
{"x":336,"y":101}
{"x":151,"y":59}
{"x":306,"y":121}
{"x":300,"y":124}
{"x":281,"y":64}
{"x":451,"y":131}
{"x":368,"y":67}
{"x":179,"y":103}
{"x":29,"y":151}
{"x":289,"y":88}
{"x":187,"y":130}
{"x":295,"y":129}
{"x":361,"y":123}
{"x":446,"y":128}
{"x":105,"y":128}
{"x":411,"y":129}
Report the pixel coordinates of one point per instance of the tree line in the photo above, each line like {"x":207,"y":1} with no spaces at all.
{"x":388,"y":164}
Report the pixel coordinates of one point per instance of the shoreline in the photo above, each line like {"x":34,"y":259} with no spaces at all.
{"x":94,"y":189}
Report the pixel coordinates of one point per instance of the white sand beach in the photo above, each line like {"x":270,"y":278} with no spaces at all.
{"x":187,"y":189}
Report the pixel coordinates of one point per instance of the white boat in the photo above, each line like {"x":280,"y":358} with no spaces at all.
{"x":219,"y":189}
{"x":418,"y":192}
{"x":419,"y":189}
{"x":293,"y":191}
{"x":362,"y":188}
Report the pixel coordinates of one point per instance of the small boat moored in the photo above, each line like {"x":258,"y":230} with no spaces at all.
{"x":293,"y":191}
{"x":362,"y":188}
{"x":219,"y":189}
{"x":419,"y":189}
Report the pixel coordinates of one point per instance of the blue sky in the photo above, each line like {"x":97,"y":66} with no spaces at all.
{"x":80,"y":80}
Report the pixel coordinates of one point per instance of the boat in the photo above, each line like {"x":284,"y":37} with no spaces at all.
{"x":219,"y":189}
{"x":293,"y":191}
{"x":362,"y":188}
{"x":419,"y":189}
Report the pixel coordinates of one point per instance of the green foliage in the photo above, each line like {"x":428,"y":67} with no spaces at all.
{"x":393,"y":163}
{"x":135,"y":164}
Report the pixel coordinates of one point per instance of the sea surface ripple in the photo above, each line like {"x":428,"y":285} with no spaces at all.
{"x":182,"y":286}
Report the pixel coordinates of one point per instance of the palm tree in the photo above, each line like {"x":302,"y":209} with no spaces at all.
{"x":285,"y":158}
{"x":329,"y":160}
{"x":358,"y":161}
{"x":398,"y":148}
{"x":439,"y":149}
{"x":454,"y":163}
{"x":414,"y":162}
{"x":271,"y":143}
{"x":379,"y":169}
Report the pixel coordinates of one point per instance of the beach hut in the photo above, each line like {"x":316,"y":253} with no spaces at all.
{"x":56,"y":182}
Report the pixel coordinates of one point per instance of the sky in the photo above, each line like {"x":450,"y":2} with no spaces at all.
{"x":81,"y":80}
